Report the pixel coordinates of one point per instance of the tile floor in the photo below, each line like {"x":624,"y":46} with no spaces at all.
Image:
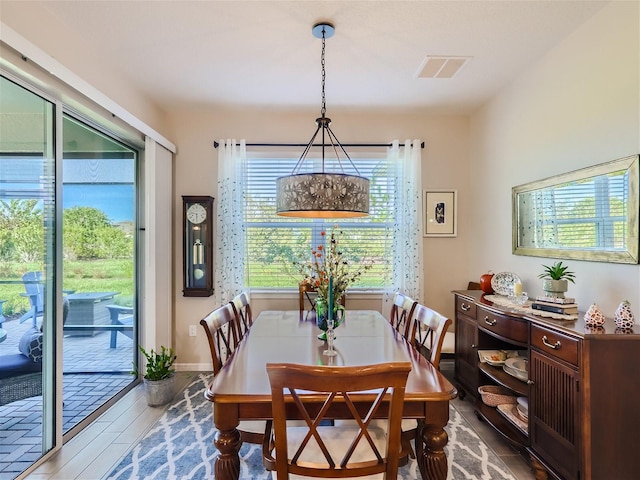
{"x":84,"y":392}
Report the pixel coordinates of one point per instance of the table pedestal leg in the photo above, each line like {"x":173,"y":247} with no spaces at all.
{"x":227,"y":464}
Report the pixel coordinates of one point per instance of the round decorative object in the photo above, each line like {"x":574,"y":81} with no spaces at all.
{"x":196,"y":213}
{"x":594,"y":317}
{"x":624,"y":316}
{"x":485,"y":282}
{"x":502,"y":283}
{"x":198,"y":273}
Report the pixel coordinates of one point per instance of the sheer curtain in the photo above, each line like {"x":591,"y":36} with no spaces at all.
{"x":408,"y":270}
{"x":229,"y":242}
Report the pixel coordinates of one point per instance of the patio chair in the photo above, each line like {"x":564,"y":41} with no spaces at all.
{"x":123,"y":317}
{"x":34,"y":288}
{"x":35,"y":291}
{"x":357,"y":448}
{"x":21,"y":372}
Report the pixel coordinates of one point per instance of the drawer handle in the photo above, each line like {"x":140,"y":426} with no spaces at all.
{"x":473,"y":345}
{"x":491,"y":323}
{"x":465,"y":307}
{"x":555,"y":346}
{"x":529,"y":382}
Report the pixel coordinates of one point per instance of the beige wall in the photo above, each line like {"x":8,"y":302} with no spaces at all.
{"x":445,"y":165}
{"x":578,"y":106}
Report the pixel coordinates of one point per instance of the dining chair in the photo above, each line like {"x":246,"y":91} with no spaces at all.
{"x":427,"y":333}
{"x":402,"y":313}
{"x":220,"y":328}
{"x":307,"y":294}
{"x":242,"y":311}
{"x":357,"y":448}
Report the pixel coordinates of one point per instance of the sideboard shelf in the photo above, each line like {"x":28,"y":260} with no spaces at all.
{"x":582,"y":389}
{"x":501,"y":377}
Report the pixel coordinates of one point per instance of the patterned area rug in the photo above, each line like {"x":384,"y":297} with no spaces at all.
{"x":180,"y":446}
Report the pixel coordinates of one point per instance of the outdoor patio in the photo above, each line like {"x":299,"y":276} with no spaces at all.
{"x":93,"y":373}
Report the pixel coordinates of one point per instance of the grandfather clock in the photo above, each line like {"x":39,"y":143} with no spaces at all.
{"x":197,"y":246}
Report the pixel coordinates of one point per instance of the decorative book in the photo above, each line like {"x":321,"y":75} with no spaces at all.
{"x":562,"y":301}
{"x":563,"y":309}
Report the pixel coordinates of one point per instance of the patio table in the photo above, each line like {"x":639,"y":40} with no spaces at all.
{"x":89,"y":308}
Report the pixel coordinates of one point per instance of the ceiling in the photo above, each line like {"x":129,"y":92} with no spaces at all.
{"x":184,"y":53}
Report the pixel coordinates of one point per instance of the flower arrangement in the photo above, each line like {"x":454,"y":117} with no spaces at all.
{"x":328,"y":263}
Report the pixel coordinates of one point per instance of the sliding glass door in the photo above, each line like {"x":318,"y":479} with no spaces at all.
{"x":68,"y":273}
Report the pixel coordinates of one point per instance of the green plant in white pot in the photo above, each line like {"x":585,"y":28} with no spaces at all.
{"x":555,"y":279}
{"x":159,"y":377}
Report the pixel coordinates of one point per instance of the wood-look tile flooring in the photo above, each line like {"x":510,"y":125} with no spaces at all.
{"x":94,"y":452}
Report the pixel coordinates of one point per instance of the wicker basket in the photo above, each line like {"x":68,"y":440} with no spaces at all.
{"x":494,"y":395}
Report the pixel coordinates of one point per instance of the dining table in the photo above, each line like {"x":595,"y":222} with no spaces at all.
{"x":241,"y":390}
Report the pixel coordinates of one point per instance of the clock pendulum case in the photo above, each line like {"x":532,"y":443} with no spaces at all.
{"x":197,"y":246}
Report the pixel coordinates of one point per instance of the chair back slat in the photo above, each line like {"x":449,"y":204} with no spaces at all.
{"x":428,"y":331}
{"x":220,"y":328}
{"x":312,"y":392}
{"x":242,"y":310}
{"x":402,"y":313}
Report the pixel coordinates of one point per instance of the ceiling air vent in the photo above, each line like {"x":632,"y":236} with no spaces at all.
{"x":437,"y":66}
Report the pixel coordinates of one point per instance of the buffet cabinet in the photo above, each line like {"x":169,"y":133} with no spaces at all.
{"x":582,"y":388}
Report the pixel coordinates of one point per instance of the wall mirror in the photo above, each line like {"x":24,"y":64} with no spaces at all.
{"x":589,"y":214}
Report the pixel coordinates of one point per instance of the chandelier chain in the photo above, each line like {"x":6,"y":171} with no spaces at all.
{"x":323,"y":110}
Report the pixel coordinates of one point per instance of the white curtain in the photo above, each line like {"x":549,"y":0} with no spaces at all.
{"x":408,"y":270}
{"x":229,"y":242}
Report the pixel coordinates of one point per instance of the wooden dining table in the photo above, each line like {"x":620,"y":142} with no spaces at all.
{"x":241,"y":391}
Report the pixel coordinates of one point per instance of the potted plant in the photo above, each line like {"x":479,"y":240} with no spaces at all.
{"x":159,"y":377}
{"x":555,"y":279}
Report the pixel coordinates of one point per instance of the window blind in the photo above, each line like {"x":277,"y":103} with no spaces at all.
{"x":274,"y":244}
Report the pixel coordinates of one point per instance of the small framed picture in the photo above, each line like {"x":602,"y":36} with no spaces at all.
{"x":439,"y":210}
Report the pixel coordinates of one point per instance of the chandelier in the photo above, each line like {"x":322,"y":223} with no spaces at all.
{"x":323,"y":194}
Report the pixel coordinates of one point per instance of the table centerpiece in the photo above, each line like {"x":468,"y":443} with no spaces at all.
{"x":330,"y":266}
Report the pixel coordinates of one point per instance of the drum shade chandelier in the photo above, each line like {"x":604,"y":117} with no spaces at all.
{"x":323,"y":194}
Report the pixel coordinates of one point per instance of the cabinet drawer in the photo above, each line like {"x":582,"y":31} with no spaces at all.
{"x":507,"y":327}
{"x":555,"y":344}
{"x":465,"y":307}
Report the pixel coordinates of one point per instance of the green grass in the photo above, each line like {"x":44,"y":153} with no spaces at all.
{"x":80,"y":276}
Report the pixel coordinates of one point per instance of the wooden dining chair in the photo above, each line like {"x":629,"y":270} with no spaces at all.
{"x":402,"y":313}
{"x":427,"y":332}
{"x":242,"y":311}
{"x":220,"y":328}
{"x":307,"y":294}
{"x":355,"y":449}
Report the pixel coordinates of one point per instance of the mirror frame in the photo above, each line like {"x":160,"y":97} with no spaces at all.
{"x":593,"y":255}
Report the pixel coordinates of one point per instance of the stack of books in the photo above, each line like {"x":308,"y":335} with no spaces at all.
{"x":563,"y":306}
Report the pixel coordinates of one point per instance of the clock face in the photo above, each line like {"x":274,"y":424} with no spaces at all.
{"x":196,"y":213}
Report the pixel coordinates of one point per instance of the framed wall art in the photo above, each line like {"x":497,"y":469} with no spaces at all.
{"x":439,"y":209}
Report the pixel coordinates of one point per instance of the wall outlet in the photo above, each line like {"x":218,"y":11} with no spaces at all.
{"x":192,"y":330}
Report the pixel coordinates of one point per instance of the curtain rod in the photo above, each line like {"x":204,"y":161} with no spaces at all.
{"x":301,"y":145}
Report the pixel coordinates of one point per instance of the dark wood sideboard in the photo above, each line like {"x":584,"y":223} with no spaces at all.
{"x":583,"y":388}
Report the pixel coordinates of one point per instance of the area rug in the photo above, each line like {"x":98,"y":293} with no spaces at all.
{"x":180,"y":446}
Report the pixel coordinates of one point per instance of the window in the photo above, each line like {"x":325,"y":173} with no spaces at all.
{"x":274,"y":243}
